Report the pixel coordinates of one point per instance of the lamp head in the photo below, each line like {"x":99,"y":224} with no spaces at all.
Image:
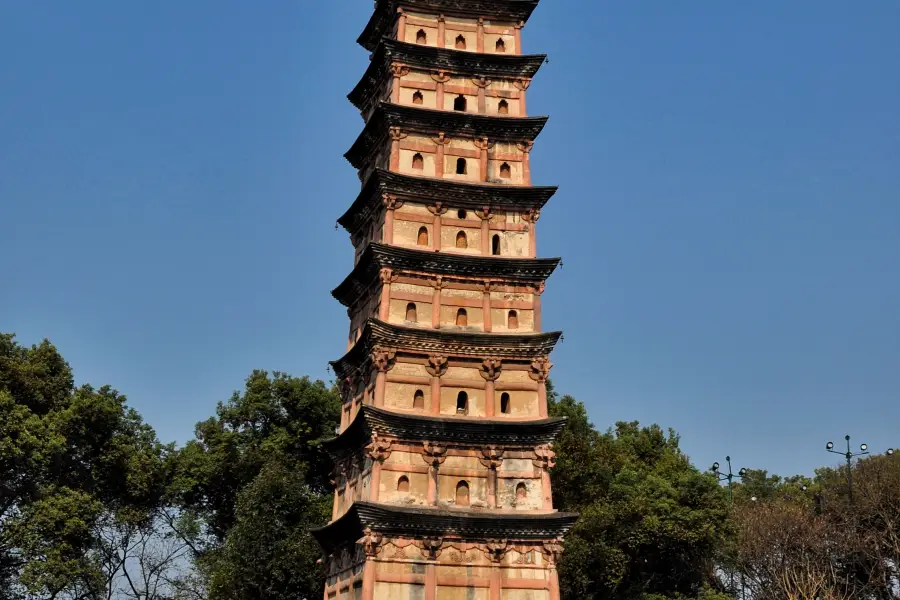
{"x":829,"y":445}
{"x":890,"y":451}
{"x":742,"y":472}
{"x":803,"y":488}
{"x":715,"y":466}
{"x":864,"y":447}
{"x":753,"y":498}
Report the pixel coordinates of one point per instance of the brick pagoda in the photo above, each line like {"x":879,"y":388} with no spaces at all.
{"x":442,"y":489}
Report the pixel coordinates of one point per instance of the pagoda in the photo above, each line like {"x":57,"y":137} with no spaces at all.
{"x":442,"y":485}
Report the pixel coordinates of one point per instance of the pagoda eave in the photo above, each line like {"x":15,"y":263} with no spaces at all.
{"x":430,"y":58}
{"x":427,"y":121}
{"x":418,"y":189}
{"x":456,"y":343}
{"x":382,"y":20}
{"x":415,"y":428}
{"x":421,"y":523}
{"x":420,"y":262}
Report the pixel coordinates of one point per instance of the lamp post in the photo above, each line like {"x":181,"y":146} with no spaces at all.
{"x":850,"y":455}
{"x":729,"y":477}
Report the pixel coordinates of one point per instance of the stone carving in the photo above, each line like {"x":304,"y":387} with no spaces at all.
{"x":441,"y":140}
{"x":490,"y":369}
{"x":383,"y":359}
{"x":390,"y":201}
{"x":484,"y":213}
{"x":437,"y":365}
{"x":339,"y":473}
{"x":440,"y":77}
{"x":387,"y":276}
{"x":481,"y":82}
{"x":431,"y":547}
{"x":525,"y":146}
{"x":496,"y":549}
{"x":371,"y":542}
{"x":398,"y":134}
{"x":399,"y":70}
{"x":461,"y":557}
{"x":491,"y":457}
{"x":483,"y":143}
{"x":539,"y":288}
{"x":379,"y":448}
{"x":437,"y":209}
{"x":434,"y":454}
{"x":522,"y":84}
{"x":552,"y":550}
{"x":544,"y":457}
{"x":531,"y":215}
{"x":540,"y":369}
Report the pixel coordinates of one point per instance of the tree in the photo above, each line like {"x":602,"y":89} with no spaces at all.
{"x":257,"y":478}
{"x":650,"y":524}
{"x":70,"y":457}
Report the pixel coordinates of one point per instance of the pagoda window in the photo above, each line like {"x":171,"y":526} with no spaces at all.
{"x":521,"y":492}
{"x":421,"y":37}
{"x":504,"y":403}
{"x":461,"y":241}
{"x":500,"y":46}
{"x":459,"y":103}
{"x":460,"y":42}
{"x":505,"y":171}
{"x":419,"y":399}
{"x":462,"y":403}
{"x":512,"y":320}
{"x":460,"y":214}
{"x":462,"y":493}
{"x":461,"y":168}
{"x":462,"y":318}
{"x":418,"y":162}
{"x":418,"y":98}
{"x":495,"y":245}
{"x":403,"y":484}
{"x":422,"y":238}
{"x":502,"y":108}
{"x":411,"y":314}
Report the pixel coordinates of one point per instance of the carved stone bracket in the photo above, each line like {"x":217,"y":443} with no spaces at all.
{"x":379,"y":448}
{"x":490,"y":369}
{"x":483,"y":143}
{"x":484,"y":213}
{"x":531,"y":215}
{"x":339,"y":472}
{"x":399,"y":70}
{"x":539,"y":288}
{"x":496,"y":549}
{"x":552,"y":550}
{"x":522,"y":84}
{"x":440,"y":77}
{"x":481,"y":82}
{"x":437,"y":283}
{"x":434,"y":454}
{"x":431,"y":547}
{"x":391,"y":202}
{"x":371,"y":542}
{"x":540,"y":369}
{"x":441,"y":139}
{"x":387,"y":276}
{"x":437,"y":208}
{"x":525,"y":146}
{"x":437,"y":365}
{"x":492,"y":457}
{"x":544,"y":457}
{"x":383,"y":359}
{"x":398,"y":134}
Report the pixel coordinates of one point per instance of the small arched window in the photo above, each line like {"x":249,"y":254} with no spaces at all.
{"x":521,"y":491}
{"x":411,"y":312}
{"x":403,"y":484}
{"x":419,"y":399}
{"x":502,"y":108}
{"x":462,"y":403}
{"x":495,"y":245}
{"x":504,"y":403}
{"x":460,"y":42}
{"x":421,"y":37}
{"x":461,"y":241}
{"x":418,"y":98}
{"x":461,"y":168}
{"x":512,"y":320}
{"x":462,"y":318}
{"x":462,"y":493}
{"x":422,"y":238}
{"x":460,"y":214}
{"x":500,"y":45}
{"x":459,"y":103}
{"x":505,"y":171}
{"x":418,"y":162}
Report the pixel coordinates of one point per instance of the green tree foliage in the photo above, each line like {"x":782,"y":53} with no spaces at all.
{"x":69,"y":457}
{"x":651,"y":524}
{"x":258,"y":479}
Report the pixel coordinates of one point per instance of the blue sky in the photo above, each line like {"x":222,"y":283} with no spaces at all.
{"x":170,"y":174}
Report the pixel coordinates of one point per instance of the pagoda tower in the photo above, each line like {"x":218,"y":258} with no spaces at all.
{"x":442,"y":486}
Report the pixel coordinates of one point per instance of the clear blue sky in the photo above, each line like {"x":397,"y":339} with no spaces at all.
{"x":170,"y":174}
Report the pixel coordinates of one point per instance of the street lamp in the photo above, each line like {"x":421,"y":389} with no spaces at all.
{"x":890,"y":451}
{"x":729,"y":477}
{"x":849,"y":455}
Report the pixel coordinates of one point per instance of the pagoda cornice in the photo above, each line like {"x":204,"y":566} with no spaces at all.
{"x":436,"y":60}
{"x":378,"y":334}
{"x":410,"y":188}
{"x":386,"y":11}
{"x":434,"y":523}
{"x":449,"y":431}
{"x":408,"y":119}
{"x":429,"y":263}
